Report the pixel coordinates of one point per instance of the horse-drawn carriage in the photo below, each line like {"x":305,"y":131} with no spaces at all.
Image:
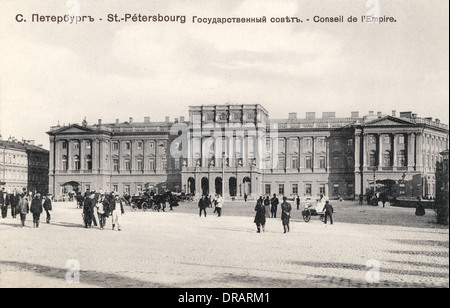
{"x":155,"y":202}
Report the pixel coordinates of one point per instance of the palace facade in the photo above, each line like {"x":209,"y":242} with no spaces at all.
{"x":252,"y":154}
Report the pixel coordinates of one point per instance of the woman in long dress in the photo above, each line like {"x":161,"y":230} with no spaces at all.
{"x":260,"y":217}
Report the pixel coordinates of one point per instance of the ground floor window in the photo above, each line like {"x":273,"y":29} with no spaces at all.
{"x":295,"y":189}
{"x":322,"y":189}
{"x":308,"y":189}
{"x":115,"y":187}
{"x":335,"y":189}
{"x":268,"y":191}
{"x":281,"y":189}
{"x":126,"y":189}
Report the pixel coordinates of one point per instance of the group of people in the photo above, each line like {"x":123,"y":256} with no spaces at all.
{"x":97,"y":205}
{"x":207,"y":201}
{"x":23,"y":203}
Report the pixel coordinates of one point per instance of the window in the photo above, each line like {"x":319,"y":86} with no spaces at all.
{"x":373,"y":159}
{"x":322,"y":189}
{"x":336,"y":187}
{"x":386,"y":140}
{"x":321,"y":142}
{"x":139,"y":188}
{"x":64,"y":144}
{"x":151,"y":145}
{"x":387,"y":159}
{"x":164,"y":164}
{"x":151,"y":164}
{"x":139,"y":145}
{"x":294,"y":162}
{"x":115,"y":164}
{"x":127,"y":164}
{"x":401,"y":139}
{"x":65,"y":165}
{"x":76,"y":145}
{"x":402,"y":158}
{"x":349,"y":161}
{"x":350,"y":189}
{"x":336,"y":161}
{"x":308,"y":189}
{"x":126,"y":189}
{"x":115,"y":187}
{"x":281,"y":162}
{"x":322,"y":162}
{"x":372,"y":139}
{"x":87,"y":187}
{"x":115,"y":146}
{"x":281,"y":189}
{"x":308,"y":142}
{"x":140,"y":164}
{"x":76,"y":162}
{"x":268,"y":144}
{"x":308,"y":160}
{"x":89,"y":162}
{"x":295,"y":189}
{"x":88,"y":144}
{"x":280,"y":144}
{"x":268,"y":189}
{"x":294,"y":143}
{"x":178,"y":164}
{"x":128,"y":145}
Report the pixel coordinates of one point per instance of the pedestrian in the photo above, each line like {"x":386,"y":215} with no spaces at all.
{"x":88,"y":210}
{"x":328,"y":209}
{"x":4,"y":202}
{"x":384,"y":199}
{"x":219,"y":205}
{"x":245,"y":197}
{"x":48,"y":207}
{"x":260,"y":217}
{"x":361,"y":199}
{"x":36,"y":209}
{"x":14,"y":202}
{"x":420,"y":209}
{"x":202,"y":205}
{"x":215,"y":203}
{"x":117,"y":212}
{"x":298,"y":202}
{"x":274,"y":202}
{"x":267,"y":206}
{"x":286,"y":209}
{"x":23,"y":210}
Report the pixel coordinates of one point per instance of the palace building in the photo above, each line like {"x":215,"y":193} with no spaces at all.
{"x":251,"y":154}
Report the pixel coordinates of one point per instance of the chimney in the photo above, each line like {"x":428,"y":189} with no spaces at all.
{"x":176,"y":120}
{"x":167,"y":119}
{"x":146,"y":119}
{"x":355,"y":114}
{"x":292,"y":116}
{"x":438,"y":121}
{"x":182,"y":119}
{"x":371,"y":112}
{"x":394,"y":113}
{"x":310,"y":115}
{"x":414,"y":115}
{"x":131,"y":120}
{"x":406,"y":114}
{"x":379,"y":113}
{"x":99,"y":122}
{"x":117,"y":121}
{"x":328,"y":115}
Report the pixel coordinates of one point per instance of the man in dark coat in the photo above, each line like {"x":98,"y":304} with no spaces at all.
{"x":328,"y":209}
{"x":4,"y":202}
{"x":286,"y":209}
{"x":48,"y":207}
{"x":36,"y":209}
{"x":260,"y":217}
{"x":202,"y":205}
{"x":274,"y":207}
{"x":88,"y":210}
{"x":298,"y":202}
{"x":14,"y":202}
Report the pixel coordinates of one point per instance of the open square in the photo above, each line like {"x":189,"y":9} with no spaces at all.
{"x":179,"y":249}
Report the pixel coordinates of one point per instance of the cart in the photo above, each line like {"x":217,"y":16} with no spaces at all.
{"x":314,"y":208}
{"x":140,"y":202}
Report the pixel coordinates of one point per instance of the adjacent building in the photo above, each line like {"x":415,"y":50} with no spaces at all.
{"x":252,"y":154}
{"x":23,"y":165}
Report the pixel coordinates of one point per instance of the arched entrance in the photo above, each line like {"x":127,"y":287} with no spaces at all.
{"x":191,"y":186}
{"x":70,"y":187}
{"x":232,"y":183}
{"x":205,"y":186}
{"x":247,"y":186}
{"x":218,"y":185}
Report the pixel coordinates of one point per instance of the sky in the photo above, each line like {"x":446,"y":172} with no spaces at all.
{"x":62,"y":73}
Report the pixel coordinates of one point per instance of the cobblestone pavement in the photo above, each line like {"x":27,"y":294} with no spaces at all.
{"x":176,"y":249}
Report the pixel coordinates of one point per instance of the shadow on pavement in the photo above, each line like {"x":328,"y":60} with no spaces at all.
{"x":86,"y":277}
{"x":432,"y":243}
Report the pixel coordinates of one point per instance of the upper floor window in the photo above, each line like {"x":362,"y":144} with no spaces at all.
{"x":64,"y":144}
{"x":115,"y":145}
{"x":76,"y":145}
{"x":401,"y":139}
{"x":128,"y":145}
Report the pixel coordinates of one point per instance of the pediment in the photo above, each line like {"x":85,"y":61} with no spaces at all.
{"x":73,"y":129}
{"x":387,"y":121}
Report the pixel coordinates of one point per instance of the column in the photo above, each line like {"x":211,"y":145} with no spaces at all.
{"x":82,"y":155}
{"x":157,"y":165}
{"x":301,"y":157}
{"x":419,"y":154}
{"x":357,"y":150}
{"x":394,"y":150}
{"x":95,"y":155}
{"x":411,"y":156}
{"x":144,"y":154}
{"x":52,"y":156}
{"x":69,"y":154}
{"x":380,"y":151}
{"x":315,"y":159}
{"x":286,"y":153}
{"x":327,"y":156}
{"x":365,"y":151}
{"x":101,"y":155}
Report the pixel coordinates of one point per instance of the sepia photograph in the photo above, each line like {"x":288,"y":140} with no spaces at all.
{"x":224,"y":149}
